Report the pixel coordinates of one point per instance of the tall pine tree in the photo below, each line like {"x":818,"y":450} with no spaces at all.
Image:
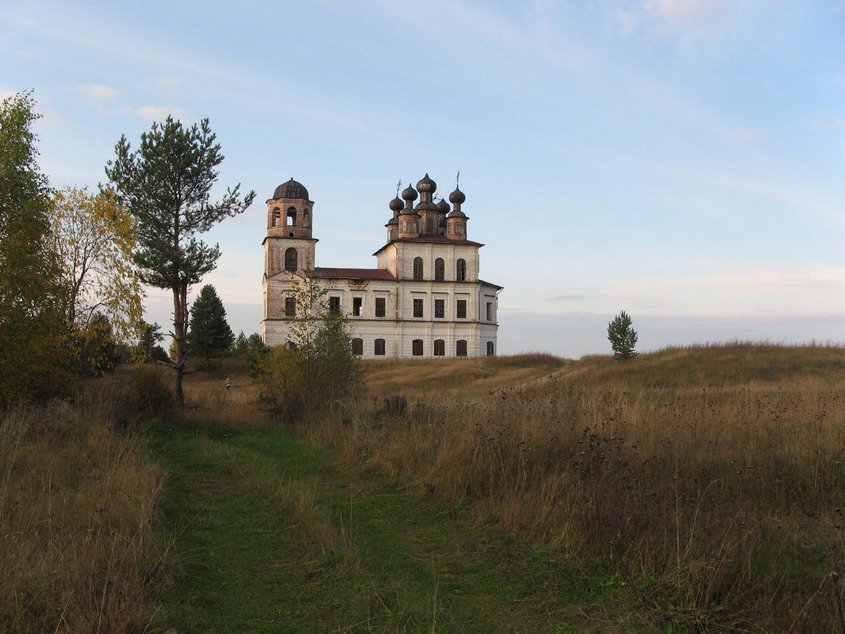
{"x":209,"y":334}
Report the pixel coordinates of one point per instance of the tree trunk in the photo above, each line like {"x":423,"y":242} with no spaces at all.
{"x":180,"y":321}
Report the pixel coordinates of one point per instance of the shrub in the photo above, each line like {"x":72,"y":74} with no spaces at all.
{"x":281,"y":383}
{"x":148,"y":394}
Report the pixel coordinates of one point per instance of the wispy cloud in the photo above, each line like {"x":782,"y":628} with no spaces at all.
{"x":156,"y":113}
{"x":98,"y":92}
{"x":679,"y":18}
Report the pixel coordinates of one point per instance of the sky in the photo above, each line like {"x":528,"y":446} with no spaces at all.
{"x":682,"y":160}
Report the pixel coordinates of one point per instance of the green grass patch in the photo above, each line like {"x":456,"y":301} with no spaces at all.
{"x":266,"y":536}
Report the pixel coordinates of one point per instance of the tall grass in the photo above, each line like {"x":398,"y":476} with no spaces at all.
{"x":710,"y":479}
{"x":77,"y":507}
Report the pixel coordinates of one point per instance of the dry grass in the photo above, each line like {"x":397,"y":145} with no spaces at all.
{"x":453,"y":377}
{"x":709,"y":478}
{"x":77,"y":508}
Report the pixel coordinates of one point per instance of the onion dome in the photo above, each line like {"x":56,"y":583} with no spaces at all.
{"x":291,"y":189}
{"x":456,"y":213}
{"x":457,"y":197}
{"x":393,"y":221}
{"x":442,"y":206}
{"x":426,"y":204}
{"x":425,"y":185}
{"x":396,"y":204}
{"x":409,"y":194}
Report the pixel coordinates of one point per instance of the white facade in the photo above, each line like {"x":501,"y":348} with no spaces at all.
{"x":423,"y":300}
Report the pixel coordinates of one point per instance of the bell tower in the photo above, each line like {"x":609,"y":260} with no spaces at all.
{"x":289,"y":245}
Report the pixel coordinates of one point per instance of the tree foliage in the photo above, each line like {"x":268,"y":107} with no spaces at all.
{"x":94,"y":239}
{"x":317,"y":369}
{"x":166,"y":185}
{"x":209,"y":335}
{"x":33,"y":341}
{"x":623,"y":338}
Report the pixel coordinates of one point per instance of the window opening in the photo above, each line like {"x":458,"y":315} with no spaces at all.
{"x":290,"y":306}
{"x":358,"y":346}
{"x":461,"y":270}
{"x":439,"y":308}
{"x":418,"y":268}
{"x":380,"y":307}
{"x":439,"y":348}
{"x":439,"y":270}
{"x":461,"y":348}
{"x":378,"y":347}
{"x":417,"y":347}
{"x":291,"y":259}
{"x":334,"y":304}
{"x":462,"y":309}
{"x":357,"y":306}
{"x":418,"y":308}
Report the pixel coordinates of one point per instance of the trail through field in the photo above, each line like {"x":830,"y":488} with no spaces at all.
{"x":267,"y":536}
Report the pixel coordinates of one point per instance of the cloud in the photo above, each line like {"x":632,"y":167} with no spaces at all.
{"x":565,"y":298}
{"x":680,"y":18}
{"x":748,"y":135}
{"x":98,"y":92}
{"x":157,"y":113}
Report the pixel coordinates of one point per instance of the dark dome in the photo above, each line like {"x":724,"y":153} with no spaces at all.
{"x":457,"y":196}
{"x":396,"y":204}
{"x":409,"y":193}
{"x":456,"y":213}
{"x":291,"y":189}
{"x":392,"y":221}
{"x":443,"y":206}
{"x":426,"y":185}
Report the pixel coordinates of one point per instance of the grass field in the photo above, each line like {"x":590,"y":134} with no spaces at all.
{"x":694,"y":489}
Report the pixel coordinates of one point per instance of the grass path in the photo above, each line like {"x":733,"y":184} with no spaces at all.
{"x":269,"y":537}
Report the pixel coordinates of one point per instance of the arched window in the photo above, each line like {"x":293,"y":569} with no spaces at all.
{"x":378,"y":347}
{"x":418,"y":268}
{"x":461,"y":348}
{"x":439,"y":348}
{"x":290,"y":345}
{"x":461,"y":270}
{"x":439,"y":270}
{"x":290,"y":259}
{"x":417,"y":347}
{"x":291,"y":217}
{"x":357,"y":346}
{"x":490,"y":351}
{"x":276,"y":217}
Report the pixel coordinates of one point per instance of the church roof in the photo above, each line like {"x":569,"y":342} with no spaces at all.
{"x":352,"y":274}
{"x":291,"y":189}
{"x":436,"y":239}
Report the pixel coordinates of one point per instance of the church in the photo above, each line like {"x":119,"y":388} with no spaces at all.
{"x":423,"y":299}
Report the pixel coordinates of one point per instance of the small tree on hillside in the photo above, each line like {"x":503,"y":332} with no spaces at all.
{"x":166,"y":185}
{"x":209,"y":336}
{"x":622,"y":336}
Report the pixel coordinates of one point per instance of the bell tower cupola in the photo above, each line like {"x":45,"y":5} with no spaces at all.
{"x":456,"y":221}
{"x":289,"y":245}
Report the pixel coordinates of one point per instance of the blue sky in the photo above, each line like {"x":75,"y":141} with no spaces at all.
{"x":683,"y":160}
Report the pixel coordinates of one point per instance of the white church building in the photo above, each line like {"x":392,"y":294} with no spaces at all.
{"x":423,"y":299}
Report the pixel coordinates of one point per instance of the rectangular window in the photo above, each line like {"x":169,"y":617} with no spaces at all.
{"x":357,"y":304}
{"x":334,"y":304}
{"x":489,"y":311}
{"x":439,"y":348}
{"x":418,"y":308}
{"x":417,"y":347}
{"x":439,"y":308}
{"x":290,"y":307}
{"x":462,"y":309}
{"x":380,"y":307}
{"x":378,"y":347}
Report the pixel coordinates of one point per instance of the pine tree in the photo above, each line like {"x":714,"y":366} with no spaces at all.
{"x":166,"y":185}
{"x":209,"y":334}
{"x":622,"y":337}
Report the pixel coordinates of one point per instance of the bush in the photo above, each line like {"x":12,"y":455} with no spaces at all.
{"x":148,"y":394}
{"x":281,"y":383}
